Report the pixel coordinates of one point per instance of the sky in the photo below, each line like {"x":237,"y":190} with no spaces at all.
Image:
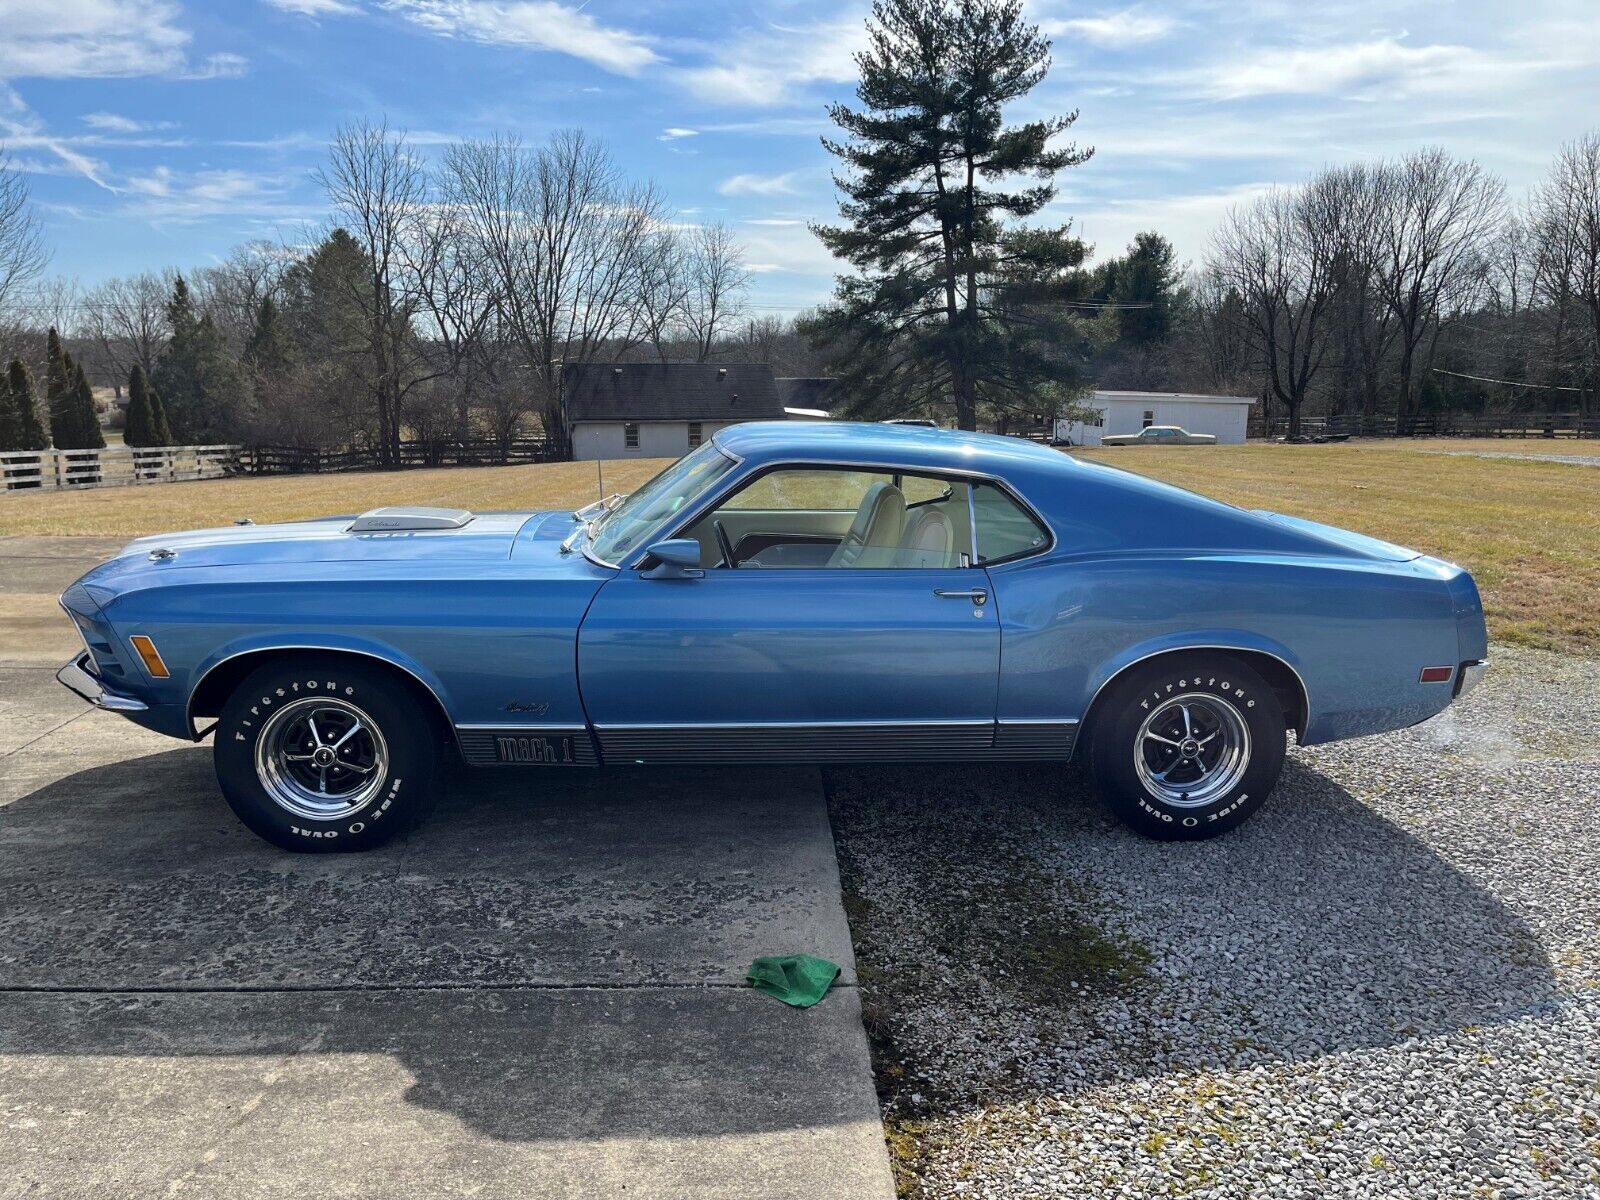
{"x":161,"y":133}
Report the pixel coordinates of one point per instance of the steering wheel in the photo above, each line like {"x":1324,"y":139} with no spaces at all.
{"x":724,"y":544}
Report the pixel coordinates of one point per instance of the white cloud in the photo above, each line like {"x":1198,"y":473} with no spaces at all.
{"x":758,"y":185}
{"x":20,"y":127}
{"x":1130,"y":27}
{"x":1340,"y":69}
{"x":157,"y":183}
{"x":535,"y":25}
{"x":314,"y":8}
{"x":117,"y":123}
{"x":674,"y":133}
{"x":65,"y":39}
{"x":792,"y":250}
{"x":1185,"y":220}
{"x":165,"y":196}
{"x":774,"y":221}
{"x":770,"y":66}
{"x":219,"y":66}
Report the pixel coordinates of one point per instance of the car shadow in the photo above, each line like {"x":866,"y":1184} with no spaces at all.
{"x":1005,"y":897}
{"x":138,"y":918}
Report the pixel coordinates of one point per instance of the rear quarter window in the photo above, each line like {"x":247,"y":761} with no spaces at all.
{"x":1006,"y":530}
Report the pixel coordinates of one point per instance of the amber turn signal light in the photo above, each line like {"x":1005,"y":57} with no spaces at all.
{"x":150,"y":656}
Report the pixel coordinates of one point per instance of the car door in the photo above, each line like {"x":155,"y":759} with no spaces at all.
{"x":869,"y":648}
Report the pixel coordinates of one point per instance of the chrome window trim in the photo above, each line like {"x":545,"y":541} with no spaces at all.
{"x":972,"y":525}
{"x":1305,"y":692}
{"x":962,"y":473}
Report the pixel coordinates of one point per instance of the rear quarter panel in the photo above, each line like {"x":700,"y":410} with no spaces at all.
{"x":1356,"y":632}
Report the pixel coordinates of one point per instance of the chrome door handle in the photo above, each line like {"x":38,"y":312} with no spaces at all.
{"x":976,"y":595}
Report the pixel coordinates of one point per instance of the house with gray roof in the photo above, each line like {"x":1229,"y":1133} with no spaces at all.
{"x":661,"y":410}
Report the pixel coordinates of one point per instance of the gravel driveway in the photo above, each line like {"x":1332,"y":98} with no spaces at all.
{"x":1387,"y":983}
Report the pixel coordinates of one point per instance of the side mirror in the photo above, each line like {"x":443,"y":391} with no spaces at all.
{"x":676,"y":558}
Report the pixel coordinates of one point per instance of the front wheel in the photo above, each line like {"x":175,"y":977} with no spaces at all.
{"x":1187,"y":746}
{"x":322,"y":754}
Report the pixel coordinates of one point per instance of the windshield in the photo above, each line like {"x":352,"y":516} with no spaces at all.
{"x":638,"y":518}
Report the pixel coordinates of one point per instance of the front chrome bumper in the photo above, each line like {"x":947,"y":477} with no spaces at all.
{"x":1470,"y":676}
{"x":76,"y":677}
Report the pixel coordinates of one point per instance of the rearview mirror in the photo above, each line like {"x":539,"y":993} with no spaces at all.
{"x":675,"y":558}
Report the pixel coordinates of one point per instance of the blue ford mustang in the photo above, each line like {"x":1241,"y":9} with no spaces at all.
{"x":786,"y":593}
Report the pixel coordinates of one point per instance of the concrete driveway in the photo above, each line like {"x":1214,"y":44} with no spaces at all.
{"x":540,"y":993}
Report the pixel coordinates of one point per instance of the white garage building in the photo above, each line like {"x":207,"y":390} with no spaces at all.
{"x":1128,"y":412}
{"x":661,"y":410}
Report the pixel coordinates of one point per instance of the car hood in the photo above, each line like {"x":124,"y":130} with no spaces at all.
{"x":531,"y":537}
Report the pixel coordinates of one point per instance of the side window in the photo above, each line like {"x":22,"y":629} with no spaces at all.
{"x":819,"y":517}
{"x":630,"y":436}
{"x":822,"y":491}
{"x":1005,"y":529}
{"x":1149,"y":419}
{"x":696,"y":435}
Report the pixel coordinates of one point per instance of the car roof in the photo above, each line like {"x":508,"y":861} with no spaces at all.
{"x":908,"y":446}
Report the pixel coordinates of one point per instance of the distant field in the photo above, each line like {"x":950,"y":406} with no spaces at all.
{"x":161,"y":507}
{"x":1529,"y":531}
{"x":1584,"y":447}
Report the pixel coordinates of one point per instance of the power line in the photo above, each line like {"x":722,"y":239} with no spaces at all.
{"x":1542,"y":387}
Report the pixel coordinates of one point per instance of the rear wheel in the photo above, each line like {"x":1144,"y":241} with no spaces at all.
{"x":1187,"y":746}
{"x":323,"y":753}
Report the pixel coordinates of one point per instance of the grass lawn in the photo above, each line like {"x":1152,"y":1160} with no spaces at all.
{"x":1528,"y":531}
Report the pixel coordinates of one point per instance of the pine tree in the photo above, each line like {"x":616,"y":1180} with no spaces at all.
{"x":58,"y":391}
{"x":200,"y":384}
{"x":147,"y":421}
{"x":269,"y":351}
{"x":80,"y":425}
{"x":1145,"y":290}
{"x":953,"y":304}
{"x":160,"y":427}
{"x":19,"y":417}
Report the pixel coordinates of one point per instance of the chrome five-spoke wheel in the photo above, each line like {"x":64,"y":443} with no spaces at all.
{"x":321,"y":758}
{"x":1191,"y":750}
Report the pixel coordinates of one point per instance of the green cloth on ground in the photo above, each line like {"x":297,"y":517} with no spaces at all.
{"x":797,"y":979}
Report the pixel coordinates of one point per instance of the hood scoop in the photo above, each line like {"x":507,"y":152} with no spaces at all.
{"x":409,"y":519}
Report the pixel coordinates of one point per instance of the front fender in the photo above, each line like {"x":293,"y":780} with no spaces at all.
{"x":367,"y":647}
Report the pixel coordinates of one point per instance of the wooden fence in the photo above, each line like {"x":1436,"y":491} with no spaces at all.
{"x":1442,"y":424}
{"x":292,"y":460}
{"x":115,"y":467}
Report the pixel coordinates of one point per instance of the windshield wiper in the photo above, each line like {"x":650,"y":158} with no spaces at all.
{"x":597,"y":508}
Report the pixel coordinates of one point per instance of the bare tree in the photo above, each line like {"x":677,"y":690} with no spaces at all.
{"x":22,"y":249}
{"x":1436,"y":218}
{"x":1280,"y":254}
{"x":457,"y":307}
{"x":663,"y":289}
{"x":126,"y":318}
{"x":377,"y":186}
{"x":1565,"y":229}
{"x":231,"y":291}
{"x":717,"y":280}
{"x":569,"y":241}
